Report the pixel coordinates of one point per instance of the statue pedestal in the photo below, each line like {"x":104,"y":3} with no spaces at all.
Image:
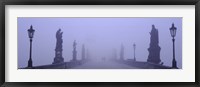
{"x":154,"y":55}
{"x":154,"y":49}
{"x":58,"y":60}
{"x":74,"y":55}
{"x":58,"y":50}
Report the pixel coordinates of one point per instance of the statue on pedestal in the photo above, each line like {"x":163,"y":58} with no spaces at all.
{"x":154,"y":49}
{"x":58,"y":50}
{"x":74,"y":51}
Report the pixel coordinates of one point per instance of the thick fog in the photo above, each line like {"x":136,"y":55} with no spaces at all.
{"x":101,"y":36}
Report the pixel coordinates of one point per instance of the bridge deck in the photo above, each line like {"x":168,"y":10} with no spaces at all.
{"x":104,"y":65}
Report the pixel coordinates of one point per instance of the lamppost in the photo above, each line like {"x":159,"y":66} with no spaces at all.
{"x":173,"y":34}
{"x":30,"y":34}
{"x":134,"y":46}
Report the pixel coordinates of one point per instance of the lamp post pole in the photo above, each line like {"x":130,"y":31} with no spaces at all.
{"x":30,"y":33}
{"x":174,"y":65}
{"x":134,"y":51}
{"x":173,"y":34}
{"x":30,"y":55}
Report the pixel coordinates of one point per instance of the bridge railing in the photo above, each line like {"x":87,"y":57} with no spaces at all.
{"x":143,"y":65}
{"x":64,"y":65}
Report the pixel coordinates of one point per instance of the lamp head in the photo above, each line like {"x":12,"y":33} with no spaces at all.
{"x":31,"y":32}
{"x":173,"y":30}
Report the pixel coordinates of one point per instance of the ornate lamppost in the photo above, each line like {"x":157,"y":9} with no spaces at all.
{"x":30,"y":34}
{"x":134,"y":46}
{"x":173,"y":34}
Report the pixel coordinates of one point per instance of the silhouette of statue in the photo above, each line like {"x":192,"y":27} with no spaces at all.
{"x":74,"y":44}
{"x":122,"y":52}
{"x":59,"y":39}
{"x":83,"y":52}
{"x":154,"y":49}
{"x":58,"y":50}
{"x":74,"y":51}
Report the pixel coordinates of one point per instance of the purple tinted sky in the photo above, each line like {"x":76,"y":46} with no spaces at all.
{"x":100,"y":36}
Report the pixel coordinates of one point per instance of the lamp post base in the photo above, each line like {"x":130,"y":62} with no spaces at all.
{"x":174,"y":65}
{"x":30,"y":64}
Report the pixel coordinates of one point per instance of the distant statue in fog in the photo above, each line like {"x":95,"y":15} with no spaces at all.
{"x":59,"y":39}
{"x":74,"y":45}
{"x":74,"y":51}
{"x":83,"y":52}
{"x":58,"y":50}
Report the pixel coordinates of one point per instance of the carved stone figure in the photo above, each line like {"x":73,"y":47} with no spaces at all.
{"x":58,"y":50}
{"x":154,"y":49}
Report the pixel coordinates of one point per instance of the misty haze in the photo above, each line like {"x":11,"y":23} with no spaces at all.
{"x":99,"y":43}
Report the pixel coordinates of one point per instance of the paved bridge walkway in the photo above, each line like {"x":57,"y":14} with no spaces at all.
{"x":103,"y":65}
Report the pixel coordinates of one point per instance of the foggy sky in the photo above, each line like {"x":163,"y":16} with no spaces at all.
{"x":99,"y":35}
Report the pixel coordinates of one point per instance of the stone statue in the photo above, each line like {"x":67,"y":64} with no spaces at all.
{"x":59,"y":39}
{"x":83,"y":52}
{"x":154,"y":49}
{"x":74,"y":51}
{"x":58,"y":50}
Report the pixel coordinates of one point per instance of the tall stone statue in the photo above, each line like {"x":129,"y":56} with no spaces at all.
{"x":58,"y":50}
{"x":154,"y":49}
{"x":74,"y":51}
